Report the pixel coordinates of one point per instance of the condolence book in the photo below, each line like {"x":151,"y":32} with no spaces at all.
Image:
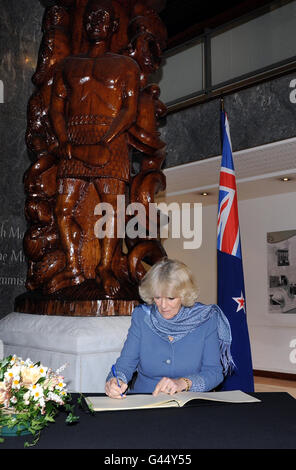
{"x":131,"y":402}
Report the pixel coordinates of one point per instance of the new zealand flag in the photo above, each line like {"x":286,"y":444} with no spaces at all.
{"x":231,"y":290}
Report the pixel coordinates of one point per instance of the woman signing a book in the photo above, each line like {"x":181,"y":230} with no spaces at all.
{"x":174,"y":343}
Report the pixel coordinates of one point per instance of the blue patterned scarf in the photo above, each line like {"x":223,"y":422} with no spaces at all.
{"x":189,"y":318}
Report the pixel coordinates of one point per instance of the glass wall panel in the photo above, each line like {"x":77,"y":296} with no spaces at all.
{"x":258,"y":43}
{"x":181,"y":74}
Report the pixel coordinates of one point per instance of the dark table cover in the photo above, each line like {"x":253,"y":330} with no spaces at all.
{"x":270,"y":424}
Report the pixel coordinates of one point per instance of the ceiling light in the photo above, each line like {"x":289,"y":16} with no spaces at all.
{"x":285,"y":178}
{"x":204,"y":194}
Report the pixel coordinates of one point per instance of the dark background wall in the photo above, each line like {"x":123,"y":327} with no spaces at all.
{"x":258,"y":115}
{"x":20,"y":35}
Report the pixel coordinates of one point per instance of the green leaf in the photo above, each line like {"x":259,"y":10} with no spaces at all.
{"x":28,"y":444}
{"x":50,"y":419}
{"x":4,"y":366}
{"x":69,"y":407}
{"x":41,"y":380}
{"x":72,"y":418}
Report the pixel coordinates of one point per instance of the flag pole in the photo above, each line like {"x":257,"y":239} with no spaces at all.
{"x":222,"y":104}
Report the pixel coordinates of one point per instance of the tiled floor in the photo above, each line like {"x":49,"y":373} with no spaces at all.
{"x":265,"y":384}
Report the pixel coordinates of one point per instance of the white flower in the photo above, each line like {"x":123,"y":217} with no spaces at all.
{"x":14,"y":359}
{"x":42,"y":404}
{"x":28,"y":362}
{"x":36,"y":392}
{"x":26,"y":397}
{"x":13,"y":400}
{"x":16,"y":382}
{"x":60,"y":369}
{"x":60,"y":385}
{"x":14,"y":371}
{"x":42,"y":370}
{"x":54,"y":397}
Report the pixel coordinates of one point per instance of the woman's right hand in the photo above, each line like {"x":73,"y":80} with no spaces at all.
{"x":112,"y":389}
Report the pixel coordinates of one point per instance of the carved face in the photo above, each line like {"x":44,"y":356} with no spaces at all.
{"x":146,"y":51}
{"x":98,"y":21}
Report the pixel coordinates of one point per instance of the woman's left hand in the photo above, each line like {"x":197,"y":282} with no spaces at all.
{"x":170,"y":386}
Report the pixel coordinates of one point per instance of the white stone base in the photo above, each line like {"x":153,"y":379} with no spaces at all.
{"x":90,"y":345}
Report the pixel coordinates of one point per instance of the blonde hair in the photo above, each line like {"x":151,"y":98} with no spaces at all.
{"x":169,"y":278}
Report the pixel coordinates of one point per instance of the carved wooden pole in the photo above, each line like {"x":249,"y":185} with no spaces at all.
{"x":91,"y":112}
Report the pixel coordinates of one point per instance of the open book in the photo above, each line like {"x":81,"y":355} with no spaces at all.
{"x":163,"y":400}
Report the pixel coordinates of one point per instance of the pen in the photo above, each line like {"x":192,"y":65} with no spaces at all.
{"x":115,"y":375}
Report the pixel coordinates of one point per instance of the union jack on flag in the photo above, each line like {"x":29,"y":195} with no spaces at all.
{"x":228,"y":236}
{"x":231,"y":290}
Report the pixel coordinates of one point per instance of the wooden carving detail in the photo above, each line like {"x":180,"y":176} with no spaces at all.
{"x":92,"y":111}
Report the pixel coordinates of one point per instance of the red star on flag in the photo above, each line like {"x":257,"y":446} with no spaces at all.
{"x":240,"y":303}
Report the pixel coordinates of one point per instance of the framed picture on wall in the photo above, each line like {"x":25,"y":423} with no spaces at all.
{"x":281,"y":270}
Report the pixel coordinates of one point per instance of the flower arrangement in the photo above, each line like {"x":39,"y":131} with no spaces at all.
{"x":31,"y":396}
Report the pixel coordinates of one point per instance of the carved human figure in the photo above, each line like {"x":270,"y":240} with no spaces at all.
{"x":145,"y":48}
{"x":94,"y":101}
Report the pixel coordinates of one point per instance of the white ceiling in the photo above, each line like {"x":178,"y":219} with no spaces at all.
{"x":258,"y":171}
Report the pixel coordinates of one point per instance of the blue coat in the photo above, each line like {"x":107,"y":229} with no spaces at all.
{"x":195,"y":356}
